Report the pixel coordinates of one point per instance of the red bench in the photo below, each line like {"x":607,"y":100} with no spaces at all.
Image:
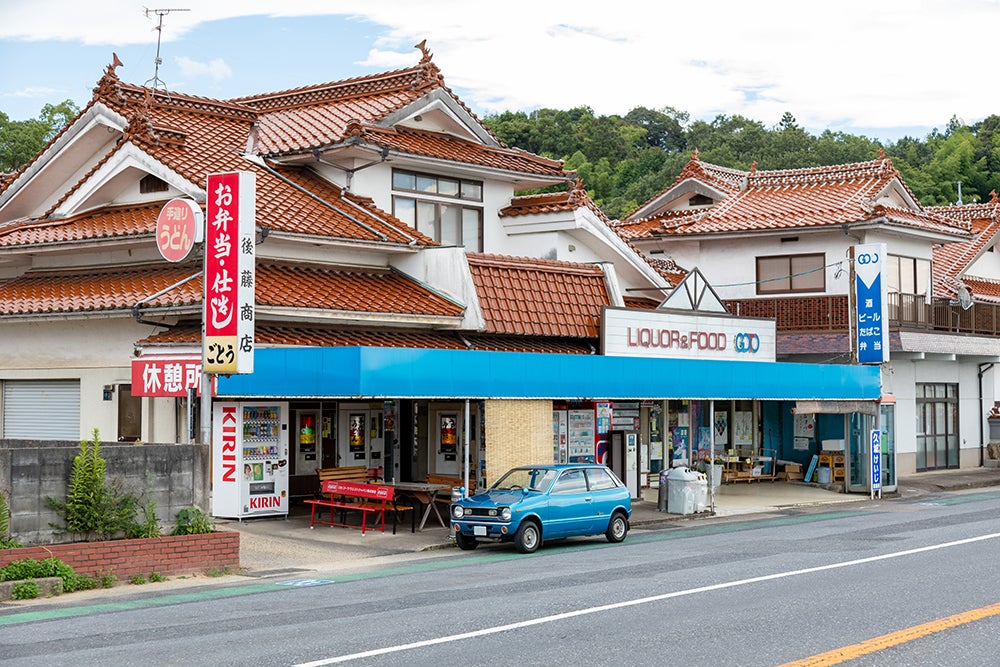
{"x":365,"y":498}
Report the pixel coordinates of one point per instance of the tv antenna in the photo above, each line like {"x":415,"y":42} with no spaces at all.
{"x":157,"y":82}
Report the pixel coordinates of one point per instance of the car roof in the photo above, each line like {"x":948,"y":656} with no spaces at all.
{"x":561,"y":466}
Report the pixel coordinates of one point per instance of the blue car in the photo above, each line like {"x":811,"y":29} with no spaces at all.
{"x":544,"y":502}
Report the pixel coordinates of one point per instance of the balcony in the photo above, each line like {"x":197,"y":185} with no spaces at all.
{"x":906,"y":311}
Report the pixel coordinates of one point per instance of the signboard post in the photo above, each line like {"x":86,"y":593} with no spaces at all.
{"x":871,"y":299}
{"x":876,"y":441}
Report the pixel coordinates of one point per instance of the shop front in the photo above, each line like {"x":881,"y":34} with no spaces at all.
{"x":406,"y":410}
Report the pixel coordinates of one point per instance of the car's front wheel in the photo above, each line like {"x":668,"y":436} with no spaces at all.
{"x":528,"y":537}
{"x":617,"y":528}
{"x":466,"y":542}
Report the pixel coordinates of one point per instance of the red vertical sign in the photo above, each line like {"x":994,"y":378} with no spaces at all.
{"x":229,"y":273}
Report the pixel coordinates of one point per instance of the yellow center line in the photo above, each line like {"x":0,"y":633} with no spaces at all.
{"x":839,"y":655}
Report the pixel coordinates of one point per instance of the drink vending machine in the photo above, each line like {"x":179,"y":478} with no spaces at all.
{"x":249,"y":459}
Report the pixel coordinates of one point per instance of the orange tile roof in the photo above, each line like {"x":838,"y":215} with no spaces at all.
{"x":524,"y":296}
{"x":796,"y":199}
{"x":952,"y":260}
{"x":574,"y":198}
{"x":111,"y":222}
{"x":284,"y":285}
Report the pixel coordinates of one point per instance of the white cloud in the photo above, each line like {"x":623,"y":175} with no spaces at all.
{"x":854,"y":63}
{"x":39,"y":93}
{"x":217,"y":69}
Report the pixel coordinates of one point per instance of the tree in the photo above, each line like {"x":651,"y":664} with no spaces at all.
{"x":21,"y":140}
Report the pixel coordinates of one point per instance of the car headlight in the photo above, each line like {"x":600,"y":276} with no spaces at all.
{"x":505,"y":514}
{"x":457,"y":511}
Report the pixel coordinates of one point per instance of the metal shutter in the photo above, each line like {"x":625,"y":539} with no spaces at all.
{"x":41,"y":409}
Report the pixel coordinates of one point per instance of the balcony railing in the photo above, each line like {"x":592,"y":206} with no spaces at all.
{"x":906,"y":311}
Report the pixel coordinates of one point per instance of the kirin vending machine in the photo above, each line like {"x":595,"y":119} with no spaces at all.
{"x":249,"y":459}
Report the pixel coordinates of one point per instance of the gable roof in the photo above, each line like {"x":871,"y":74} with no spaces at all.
{"x":813,"y":197}
{"x":953,"y":260}
{"x":525,"y":296}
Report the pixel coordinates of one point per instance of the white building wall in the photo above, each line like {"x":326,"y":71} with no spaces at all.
{"x":97,"y":352}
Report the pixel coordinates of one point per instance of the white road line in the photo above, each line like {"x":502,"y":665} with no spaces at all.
{"x":639,"y":601}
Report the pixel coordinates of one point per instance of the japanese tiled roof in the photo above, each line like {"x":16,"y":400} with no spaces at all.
{"x":323,"y":115}
{"x":279,"y":335}
{"x":523,"y":296}
{"x":574,"y":198}
{"x":952,"y":260}
{"x":107,"y":223}
{"x":279,"y":285}
{"x":195,"y":136}
{"x":812,"y":197}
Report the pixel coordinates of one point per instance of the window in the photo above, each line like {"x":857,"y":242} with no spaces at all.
{"x":791,"y":273}
{"x":907,"y":275}
{"x":571,"y":481}
{"x":600,"y":479}
{"x":150,"y":183}
{"x":699,"y":200}
{"x":439,"y":207}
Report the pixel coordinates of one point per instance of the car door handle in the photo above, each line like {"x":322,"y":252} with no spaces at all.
{"x":588,"y":499}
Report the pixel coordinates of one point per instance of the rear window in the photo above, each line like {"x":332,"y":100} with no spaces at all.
{"x":599,"y":479}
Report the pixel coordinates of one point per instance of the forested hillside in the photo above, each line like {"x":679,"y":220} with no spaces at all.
{"x":625,"y":160}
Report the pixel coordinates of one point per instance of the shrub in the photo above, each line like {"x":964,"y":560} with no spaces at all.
{"x":149,"y":526}
{"x":5,"y":541}
{"x":26,"y":590}
{"x":191,"y":521}
{"x":93,"y":510}
{"x":30,"y":568}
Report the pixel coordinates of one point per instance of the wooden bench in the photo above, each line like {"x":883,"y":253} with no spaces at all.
{"x":433,"y":478}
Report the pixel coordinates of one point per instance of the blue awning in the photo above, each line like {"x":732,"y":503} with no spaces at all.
{"x":383,"y":372}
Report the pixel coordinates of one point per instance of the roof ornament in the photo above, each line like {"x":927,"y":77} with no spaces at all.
{"x":109,"y":85}
{"x":753,"y":168}
{"x":430,"y":74}
{"x":994,"y":198}
{"x":353,"y":128}
{"x":427,"y":55}
{"x":694,"y":154}
{"x":577,"y":193}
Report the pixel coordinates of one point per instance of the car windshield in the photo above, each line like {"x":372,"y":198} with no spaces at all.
{"x":533,"y":479}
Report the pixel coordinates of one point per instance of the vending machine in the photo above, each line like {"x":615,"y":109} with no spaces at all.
{"x":249,"y":459}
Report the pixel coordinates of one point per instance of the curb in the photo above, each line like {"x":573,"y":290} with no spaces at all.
{"x":47,"y":587}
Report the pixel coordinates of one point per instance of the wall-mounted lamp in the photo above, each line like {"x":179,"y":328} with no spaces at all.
{"x":109,"y":391}
{"x":571,"y":247}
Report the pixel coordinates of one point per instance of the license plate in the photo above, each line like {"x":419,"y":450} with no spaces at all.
{"x":479,"y":530}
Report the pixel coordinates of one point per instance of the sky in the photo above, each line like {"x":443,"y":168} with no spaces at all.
{"x":884,"y":69}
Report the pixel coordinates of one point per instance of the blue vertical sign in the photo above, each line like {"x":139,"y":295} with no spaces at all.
{"x":871,"y":323}
{"x":876,"y":460}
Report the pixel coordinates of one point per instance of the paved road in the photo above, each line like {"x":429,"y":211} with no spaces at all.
{"x":761,"y":591}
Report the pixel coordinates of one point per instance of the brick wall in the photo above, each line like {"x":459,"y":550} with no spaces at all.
{"x":518,"y":432}
{"x":169,"y":555}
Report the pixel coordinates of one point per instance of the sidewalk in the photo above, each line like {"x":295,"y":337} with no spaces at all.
{"x":279,"y":546}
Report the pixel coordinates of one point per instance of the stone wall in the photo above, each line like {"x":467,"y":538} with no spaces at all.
{"x":177,"y":476}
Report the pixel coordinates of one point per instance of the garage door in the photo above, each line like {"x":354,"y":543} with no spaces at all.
{"x":41,"y":409}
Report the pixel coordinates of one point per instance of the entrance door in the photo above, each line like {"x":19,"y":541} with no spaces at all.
{"x":937,"y":426}
{"x":859,"y":460}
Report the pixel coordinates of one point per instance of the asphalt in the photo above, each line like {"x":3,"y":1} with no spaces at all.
{"x":271,"y":546}
{"x":287,"y":549}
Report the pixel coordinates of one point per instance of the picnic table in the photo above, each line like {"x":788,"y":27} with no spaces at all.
{"x":426,"y":494}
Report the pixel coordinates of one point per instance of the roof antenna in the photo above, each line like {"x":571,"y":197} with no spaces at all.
{"x":157,"y":82}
